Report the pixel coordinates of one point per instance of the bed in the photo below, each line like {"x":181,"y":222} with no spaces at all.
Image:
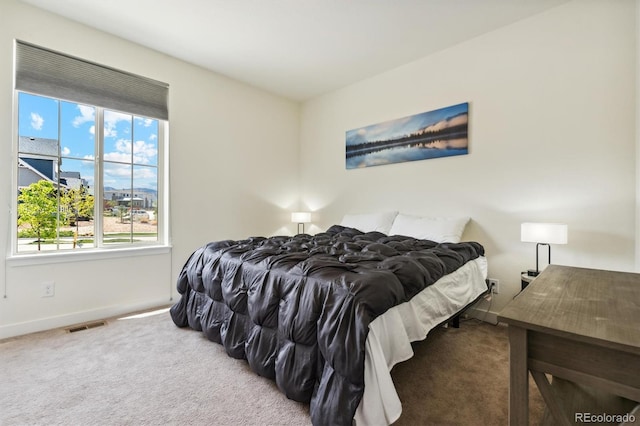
{"x":327,"y":316}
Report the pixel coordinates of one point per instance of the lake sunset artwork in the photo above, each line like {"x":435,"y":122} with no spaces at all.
{"x":432,"y":134}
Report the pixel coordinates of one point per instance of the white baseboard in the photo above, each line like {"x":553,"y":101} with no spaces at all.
{"x":49,"y":323}
{"x":487,"y":316}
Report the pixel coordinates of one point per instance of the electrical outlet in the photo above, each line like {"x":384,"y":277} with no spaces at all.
{"x":48,"y":288}
{"x":493,"y":285}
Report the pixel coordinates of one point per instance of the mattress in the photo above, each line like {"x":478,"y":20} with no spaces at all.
{"x":390,"y":336}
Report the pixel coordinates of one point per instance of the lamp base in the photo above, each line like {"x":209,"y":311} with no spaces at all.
{"x":532,"y":272}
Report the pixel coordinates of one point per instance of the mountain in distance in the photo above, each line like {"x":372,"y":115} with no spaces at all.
{"x":135,"y":190}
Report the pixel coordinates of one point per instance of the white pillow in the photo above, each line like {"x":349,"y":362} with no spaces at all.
{"x":438,"y":229}
{"x":368,"y":222}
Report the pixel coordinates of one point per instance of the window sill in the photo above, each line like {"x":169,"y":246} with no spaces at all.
{"x":92,"y":254}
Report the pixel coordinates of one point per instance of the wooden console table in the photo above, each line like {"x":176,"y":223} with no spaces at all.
{"x":577,"y":324}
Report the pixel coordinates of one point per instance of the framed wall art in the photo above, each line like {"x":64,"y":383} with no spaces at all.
{"x":432,"y":134}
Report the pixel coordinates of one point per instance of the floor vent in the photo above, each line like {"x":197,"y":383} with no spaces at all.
{"x":86,"y":326}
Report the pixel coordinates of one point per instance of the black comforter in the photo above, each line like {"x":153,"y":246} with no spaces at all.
{"x":298,"y":308}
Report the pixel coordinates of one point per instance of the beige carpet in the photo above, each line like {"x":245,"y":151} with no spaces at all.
{"x":146,"y":371}
{"x":460,"y":377}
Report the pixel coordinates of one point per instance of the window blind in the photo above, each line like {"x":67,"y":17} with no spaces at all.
{"x":46,"y":72}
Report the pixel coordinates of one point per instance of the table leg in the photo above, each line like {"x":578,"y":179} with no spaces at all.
{"x":518,"y":377}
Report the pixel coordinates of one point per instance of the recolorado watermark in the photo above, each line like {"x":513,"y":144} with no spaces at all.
{"x":604,"y":418}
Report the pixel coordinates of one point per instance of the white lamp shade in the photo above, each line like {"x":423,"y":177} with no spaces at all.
{"x":547,"y":233}
{"x":300,"y":217}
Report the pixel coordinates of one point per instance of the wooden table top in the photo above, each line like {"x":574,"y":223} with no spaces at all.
{"x":588,"y":305}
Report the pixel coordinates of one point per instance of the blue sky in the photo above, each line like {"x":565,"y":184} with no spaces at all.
{"x":74,"y":126}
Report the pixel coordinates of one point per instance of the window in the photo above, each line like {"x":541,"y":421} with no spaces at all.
{"x":90,"y":145}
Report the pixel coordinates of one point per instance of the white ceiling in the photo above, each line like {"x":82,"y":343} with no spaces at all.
{"x":297,"y":48}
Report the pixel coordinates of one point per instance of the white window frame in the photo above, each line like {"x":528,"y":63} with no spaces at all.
{"x":161,"y":245}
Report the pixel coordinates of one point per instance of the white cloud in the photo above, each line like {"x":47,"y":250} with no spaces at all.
{"x":144,"y":173}
{"x":36,"y":121}
{"x":118,"y":170}
{"x":122,"y":153}
{"x":449,"y":122}
{"x":117,"y":156}
{"x":142,"y":152}
{"x":111,"y":119}
{"x":110,"y":130}
{"x":146,"y":122}
{"x":123,"y":145}
{"x":87,"y":115}
{"x":119,"y":176}
{"x":65,"y":151}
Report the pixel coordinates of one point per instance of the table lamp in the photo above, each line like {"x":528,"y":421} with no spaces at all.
{"x":300,"y":218}
{"x":543,"y":234}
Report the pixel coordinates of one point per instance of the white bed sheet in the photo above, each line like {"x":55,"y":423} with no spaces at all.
{"x":390,"y":336}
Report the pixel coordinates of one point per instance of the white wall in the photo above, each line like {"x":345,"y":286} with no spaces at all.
{"x":233,"y":155}
{"x":552,"y":138}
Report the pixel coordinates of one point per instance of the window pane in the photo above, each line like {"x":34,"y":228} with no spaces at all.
{"x":117,"y":136}
{"x":144,"y":217}
{"x":117,"y":193}
{"x":117,"y":178}
{"x":130,"y":191}
{"x":77,"y":203}
{"x":38,"y":216}
{"x":145,"y":149}
{"x":37,"y":118}
{"x":77,"y":130}
{"x":37,"y":206}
